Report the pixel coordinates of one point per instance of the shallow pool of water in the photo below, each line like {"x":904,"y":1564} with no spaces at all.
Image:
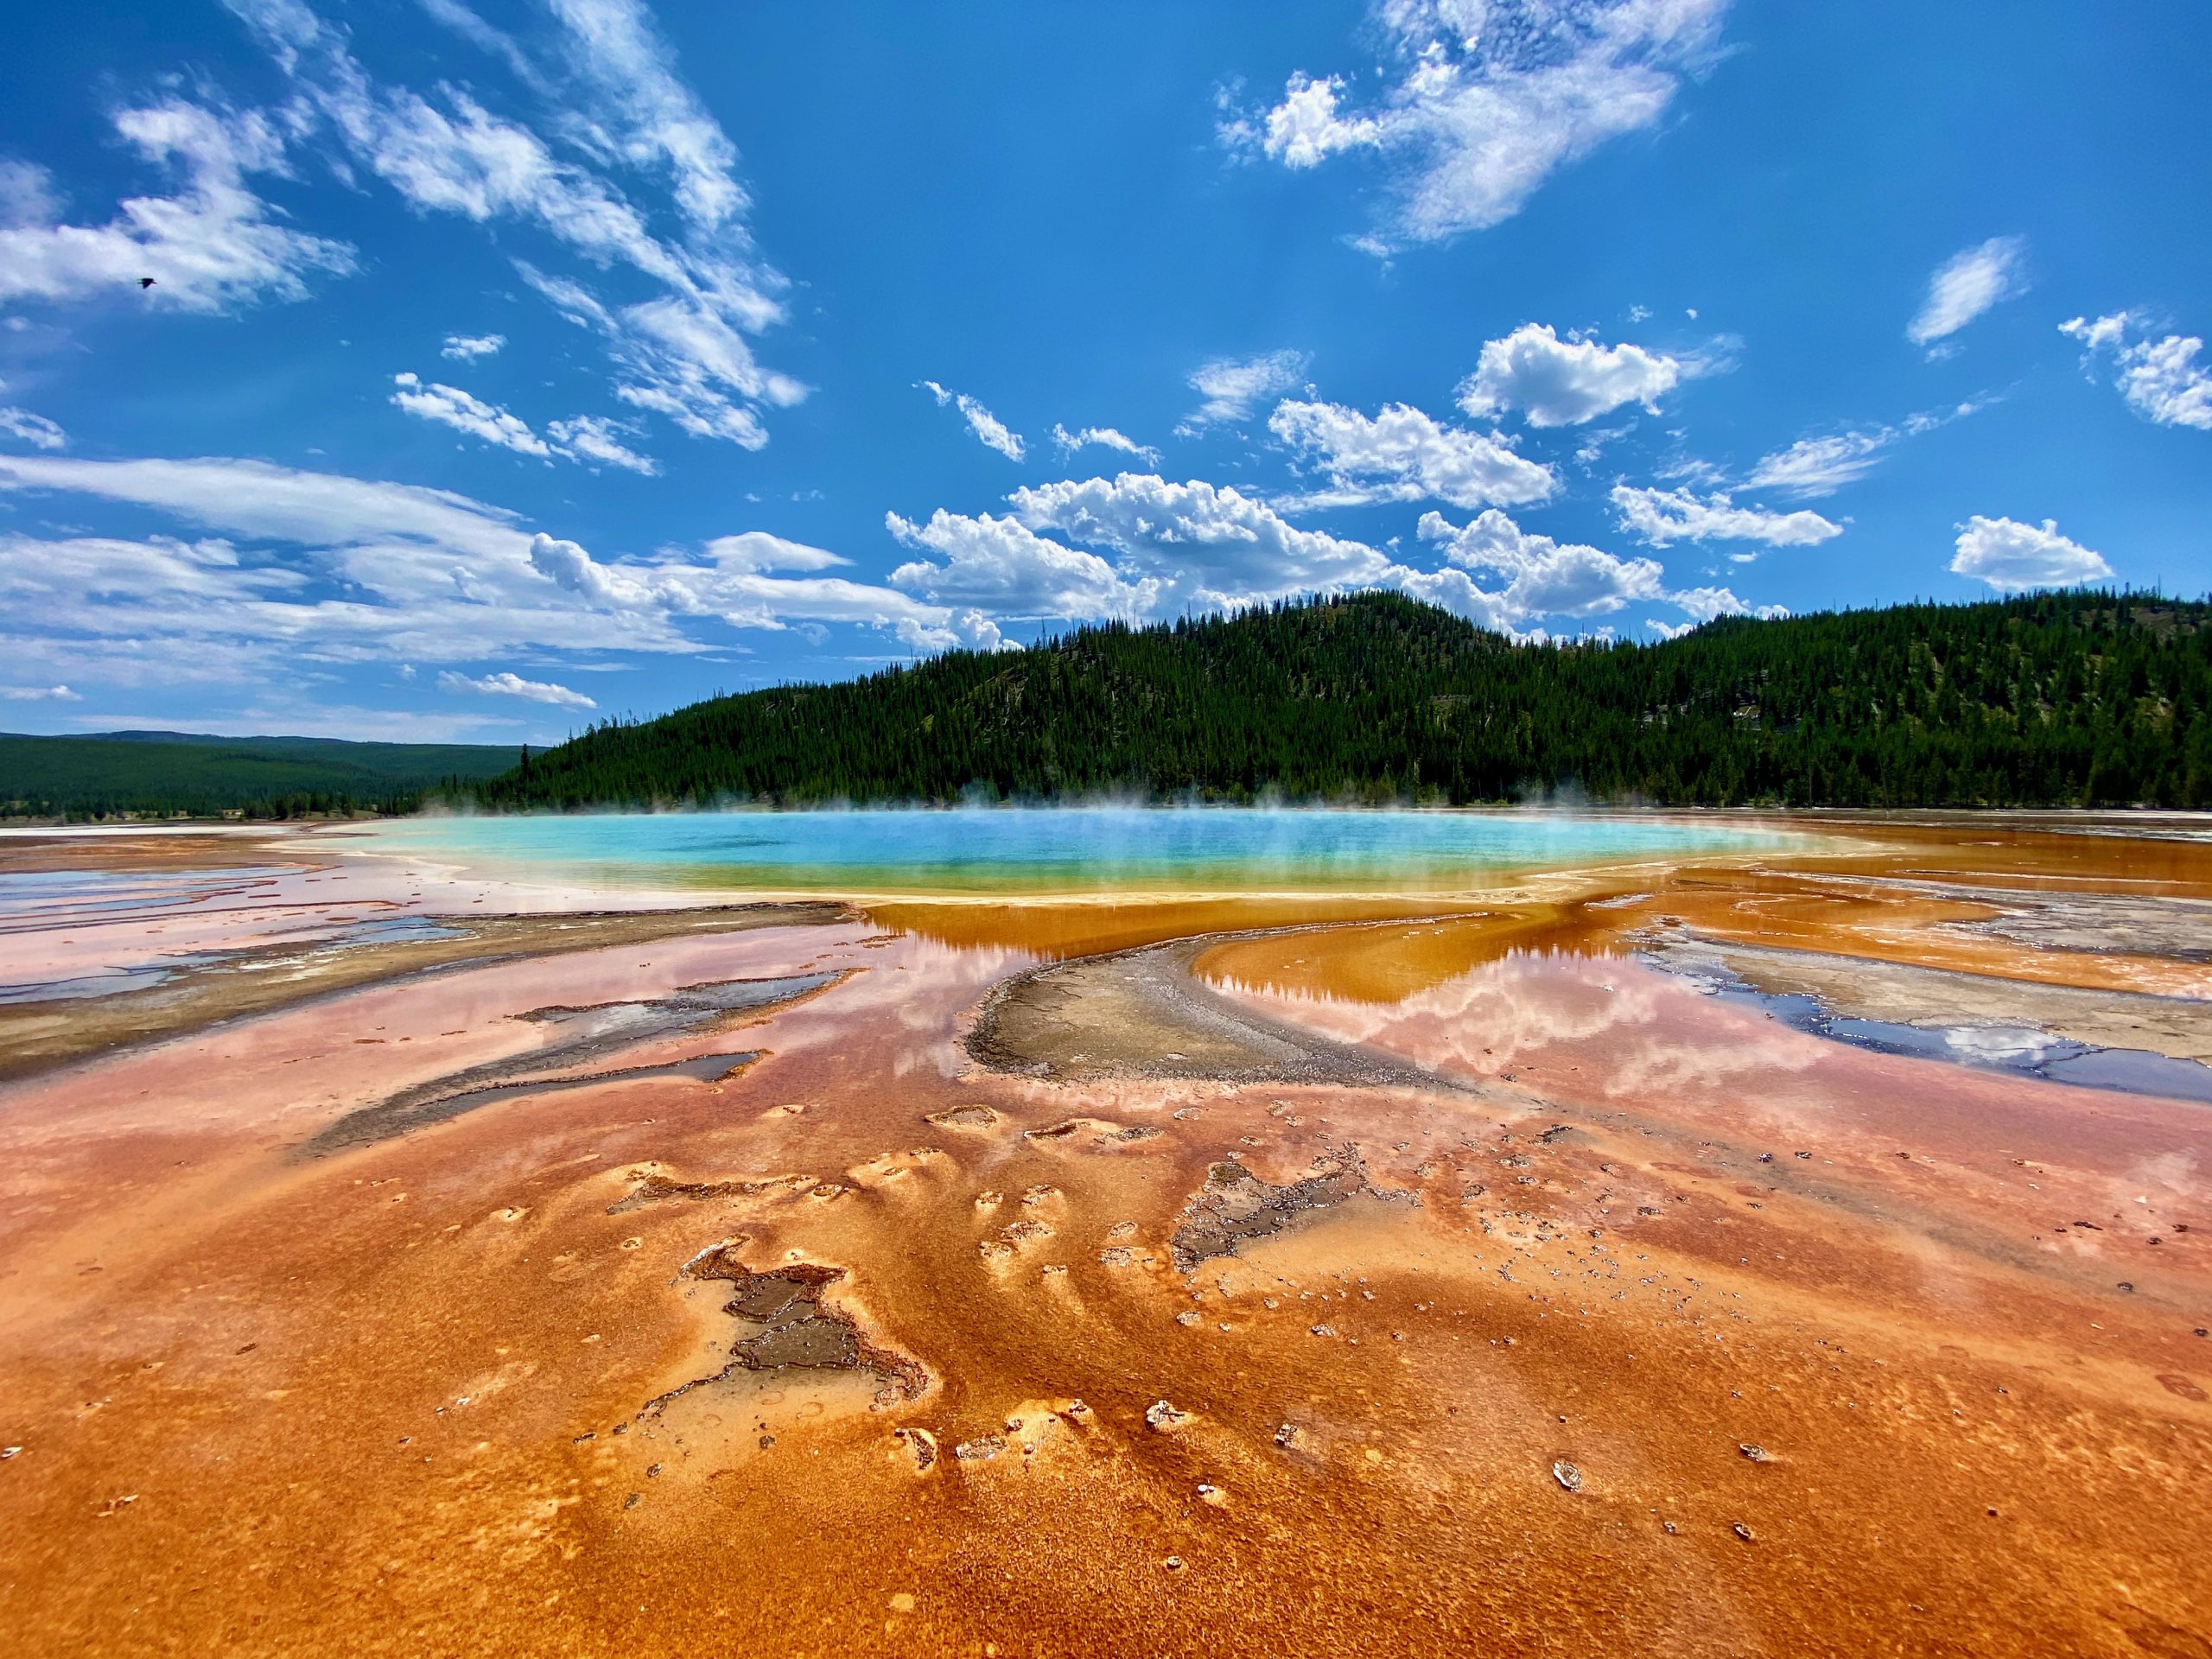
{"x":1064,"y":849}
{"x":2028,"y":1051}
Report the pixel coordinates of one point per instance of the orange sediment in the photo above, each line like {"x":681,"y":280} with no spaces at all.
{"x":1930,"y":1387}
{"x":1876,"y":906}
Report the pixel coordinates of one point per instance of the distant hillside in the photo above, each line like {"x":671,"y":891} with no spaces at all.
{"x":2046,"y":700}
{"x":165,"y":773}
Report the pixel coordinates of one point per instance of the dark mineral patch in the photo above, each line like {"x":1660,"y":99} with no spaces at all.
{"x":664,"y":1189}
{"x":588,"y":1035}
{"x":798,"y":1330}
{"x":1106,"y":1134}
{"x":405,"y":1112}
{"x":689,"y":1008}
{"x":970,"y":1116}
{"x":1235,"y":1206}
{"x":922,"y":1444}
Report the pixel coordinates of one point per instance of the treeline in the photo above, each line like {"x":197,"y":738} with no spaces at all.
{"x":2077,"y":699}
{"x":142,"y":805}
{"x":170,"y":774}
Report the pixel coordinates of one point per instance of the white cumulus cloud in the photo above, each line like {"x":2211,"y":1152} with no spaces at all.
{"x":1002,"y":565}
{"x":466,"y":348}
{"x":1967,"y":284}
{"x":1565,"y":382}
{"x":2011,"y":557}
{"x":1137,"y":546}
{"x":1307,"y":127}
{"x":1661,"y":517}
{"x":1703,"y":604}
{"x":1212,"y":545}
{"x":506,"y":684}
{"x":1486,"y":98}
{"x":2162,"y":379}
{"x":1545,"y":577}
{"x":990,"y":431}
{"x":39,"y":694}
{"x":1403,"y":455}
{"x":1140,"y":547}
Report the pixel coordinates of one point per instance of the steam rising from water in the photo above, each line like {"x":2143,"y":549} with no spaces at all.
{"x":1085,"y":848}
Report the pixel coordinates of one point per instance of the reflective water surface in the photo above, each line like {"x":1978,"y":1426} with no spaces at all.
{"x":1064,"y":848}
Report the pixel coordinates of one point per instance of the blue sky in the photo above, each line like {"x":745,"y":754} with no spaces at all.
{"x":513,"y":366}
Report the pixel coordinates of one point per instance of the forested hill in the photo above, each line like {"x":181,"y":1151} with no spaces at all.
{"x":2046,"y":700}
{"x":159,"y":774}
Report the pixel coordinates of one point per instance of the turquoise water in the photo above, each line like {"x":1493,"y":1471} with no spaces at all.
{"x":1066,"y":849}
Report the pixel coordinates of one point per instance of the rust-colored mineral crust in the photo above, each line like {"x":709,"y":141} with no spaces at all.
{"x":1524,"y":1277}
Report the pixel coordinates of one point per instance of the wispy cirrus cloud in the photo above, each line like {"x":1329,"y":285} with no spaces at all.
{"x":1816,"y":466}
{"x":1482,"y":102}
{"x":989,"y":431}
{"x":507,"y":684}
{"x":682,"y":351}
{"x":1663,"y":516}
{"x":588,"y":439}
{"x":1812,"y":467}
{"x":453,"y":406}
{"x":1234,"y":387}
{"x":1105,"y":437}
{"x":615,"y":46}
{"x":215,"y":246}
{"x":739,"y":580}
{"x":33,"y":429}
{"x":306,"y":567}
{"x":1967,"y":284}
